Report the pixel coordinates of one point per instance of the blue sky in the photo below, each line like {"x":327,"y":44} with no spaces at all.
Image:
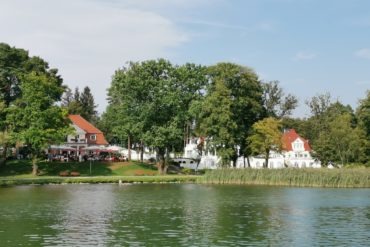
{"x":311,"y":47}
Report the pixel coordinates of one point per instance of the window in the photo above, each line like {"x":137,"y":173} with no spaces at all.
{"x":93,"y":137}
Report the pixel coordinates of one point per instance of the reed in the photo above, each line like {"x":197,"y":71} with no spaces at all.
{"x":334,"y":178}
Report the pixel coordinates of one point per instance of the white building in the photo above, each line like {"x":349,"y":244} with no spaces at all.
{"x":296,"y":153}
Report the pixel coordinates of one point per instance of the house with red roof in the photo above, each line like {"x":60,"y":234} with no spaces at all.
{"x":296,"y":153}
{"x":85,"y":134}
{"x":297,"y":150}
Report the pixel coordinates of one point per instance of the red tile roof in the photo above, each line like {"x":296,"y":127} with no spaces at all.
{"x":89,"y":129}
{"x":290,"y":136}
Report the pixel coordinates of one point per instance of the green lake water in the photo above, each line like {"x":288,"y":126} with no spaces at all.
{"x":183,"y":215}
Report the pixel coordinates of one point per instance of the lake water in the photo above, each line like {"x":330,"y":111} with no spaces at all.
{"x":183,"y":215}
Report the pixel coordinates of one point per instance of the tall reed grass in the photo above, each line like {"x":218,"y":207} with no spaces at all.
{"x":335,"y":178}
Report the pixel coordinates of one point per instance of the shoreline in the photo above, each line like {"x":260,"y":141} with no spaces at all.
{"x":97,"y":180}
{"x":309,"y":178}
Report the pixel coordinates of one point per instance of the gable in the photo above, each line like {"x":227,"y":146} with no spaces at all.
{"x":87,"y":128}
{"x":292,"y":141}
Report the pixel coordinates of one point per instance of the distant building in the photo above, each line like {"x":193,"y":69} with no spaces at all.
{"x":85,"y":135}
{"x":296,"y":153}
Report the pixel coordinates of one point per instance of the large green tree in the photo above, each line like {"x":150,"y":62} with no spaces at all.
{"x":233,"y":103}
{"x":341,"y":142}
{"x":34,"y":119}
{"x":266,"y":137}
{"x":149,"y":103}
{"x":15,"y":65}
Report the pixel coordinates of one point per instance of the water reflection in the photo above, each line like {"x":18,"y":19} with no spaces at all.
{"x":84,"y":218}
{"x":183,"y":215}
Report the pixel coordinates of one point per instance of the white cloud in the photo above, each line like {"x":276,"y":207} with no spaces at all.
{"x":363,"y":53}
{"x":87,"y":40}
{"x":304,"y":55}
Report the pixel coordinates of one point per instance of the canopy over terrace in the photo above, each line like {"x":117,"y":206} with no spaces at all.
{"x":100,"y":149}
{"x":59,"y":149}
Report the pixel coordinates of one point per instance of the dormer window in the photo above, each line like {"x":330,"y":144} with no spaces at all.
{"x":93,"y":137}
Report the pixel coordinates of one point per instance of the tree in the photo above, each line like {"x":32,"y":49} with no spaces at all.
{"x":4,"y":140}
{"x":34,"y":119}
{"x":88,"y":105}
{"x":363,"y":113}
{"x":67,"y":97}
{"x":276,"y":103}
{"x":217,"y":123}
{"x":15,"y":65}
{"x":319,"y":104}
{"x":80,"y":103}
{"x":151,"y":100}
{"x":232,"y":104}
{"x":363,"y":116}
{"x":341,"y":142}
{"x":266,"y":137}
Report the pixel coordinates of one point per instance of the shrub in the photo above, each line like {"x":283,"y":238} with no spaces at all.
{"x":75,"y":174}
{"x":64,"y":173}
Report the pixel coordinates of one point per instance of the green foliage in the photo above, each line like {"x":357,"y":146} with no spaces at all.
{"x":232,"y":104}
{"x":149,"y":103}
{"x":33,"y":119}
{"x":266,"y":137}
{"x":363,"y":115}
{"x":15,"y":65}
{"x":335,"y":178}
{"x":276,"y":103}
{"x":80,"y":103}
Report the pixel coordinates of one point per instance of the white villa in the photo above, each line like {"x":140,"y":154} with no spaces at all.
{"x":296,"y":153}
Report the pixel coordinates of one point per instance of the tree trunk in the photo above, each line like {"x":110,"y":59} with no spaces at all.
{"x":34,"y":166}
{"x":162,"y":166}
{"x":267,"y":158}
{"x":235,"y":159}
{"x":129,"y":148}
{"x":248,"y":162}
{"x":3,"y":155}
{"x":141,"y":151}
{"x":184,"y":136}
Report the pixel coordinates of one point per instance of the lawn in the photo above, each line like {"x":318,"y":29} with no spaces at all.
{"x":23,"y":168}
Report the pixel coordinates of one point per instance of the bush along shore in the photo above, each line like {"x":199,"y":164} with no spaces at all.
{"x":99,"y":179}
{"x":333,"y":178}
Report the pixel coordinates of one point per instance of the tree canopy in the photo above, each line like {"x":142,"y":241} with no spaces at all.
{"x":232,"y":104}
{"x":149,"y":103}
{"x":266,"y":136}
{"x":80,"y":103}
{"x":34,"y":119}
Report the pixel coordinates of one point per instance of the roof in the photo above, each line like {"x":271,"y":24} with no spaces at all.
{"x":88,"y":128}
{"x":290,"y":136}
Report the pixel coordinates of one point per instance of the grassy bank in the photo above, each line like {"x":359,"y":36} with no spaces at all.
{"x":17,"y":172}
{"x":99,"y":179}
{"x":23,"y":168}
{"x":335,"y":178}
